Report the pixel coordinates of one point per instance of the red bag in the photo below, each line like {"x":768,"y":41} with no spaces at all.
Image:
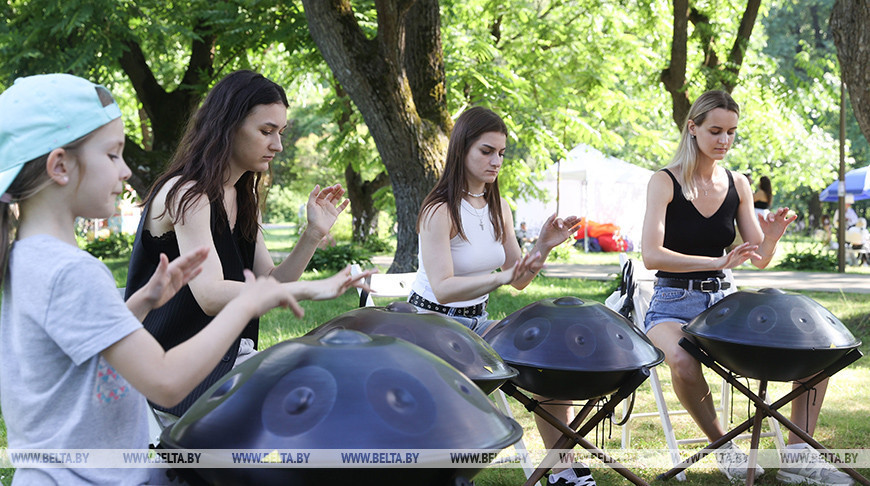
{"x":609,"y":243}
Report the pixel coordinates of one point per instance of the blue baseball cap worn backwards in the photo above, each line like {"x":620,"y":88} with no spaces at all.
{"x":41,"y":113}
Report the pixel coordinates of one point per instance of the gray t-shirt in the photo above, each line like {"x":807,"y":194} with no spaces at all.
{"x":60,"y":310}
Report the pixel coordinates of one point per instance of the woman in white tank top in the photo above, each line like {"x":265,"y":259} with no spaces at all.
{"x":466,"y":232}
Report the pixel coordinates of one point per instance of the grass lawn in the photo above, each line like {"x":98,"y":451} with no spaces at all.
{"x":843,"y":423}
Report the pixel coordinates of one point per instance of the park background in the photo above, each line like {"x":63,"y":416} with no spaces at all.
{"x":374,"y":87}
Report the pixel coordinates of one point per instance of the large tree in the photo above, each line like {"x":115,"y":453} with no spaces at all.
{"x":396,"y":80}
{"x":717,"y":74}
{"x":169,"y":53}
{"x":850,"y":24}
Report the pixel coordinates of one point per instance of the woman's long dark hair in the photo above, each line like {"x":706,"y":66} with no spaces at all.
{"x":449,"y":189}
{"x":203,"y":155}
{"x":766,"y":187}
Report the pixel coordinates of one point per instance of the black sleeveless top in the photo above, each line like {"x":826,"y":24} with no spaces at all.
{"x":690,"y":233}
{"x":181,"y":318}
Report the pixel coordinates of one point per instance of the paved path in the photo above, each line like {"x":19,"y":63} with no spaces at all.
{"x":784,"y":280}
{"x":751,"y":279}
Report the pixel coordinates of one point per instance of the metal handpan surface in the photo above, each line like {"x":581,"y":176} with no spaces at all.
{"x":343,"y":390}
{"x":771,"y":335}
{"x":566,"y":348}
{"x":436,"y":333}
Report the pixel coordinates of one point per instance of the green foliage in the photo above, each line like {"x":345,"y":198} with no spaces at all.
{"x":335,"y":258}
{"x":562,"y":253}
{"x":816,"y":258}
{"x":113,"y":246}
{"x":282,"y":206}
{"x":376,"y":245}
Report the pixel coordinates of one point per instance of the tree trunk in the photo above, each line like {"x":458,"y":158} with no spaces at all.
{"x":718,"y":77}
{"x":168,"y":111}
{"x":411,"y":143}
{"x":850,"y":24}
{"x":360,"y":193}
{"x":362,"y":204}
{"x":674,"y":76}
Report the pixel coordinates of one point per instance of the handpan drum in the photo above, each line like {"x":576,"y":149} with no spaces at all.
{"x":436,"y":333}
{"x":569,"y":349}
{"x":771,"y":335}
{"x":344,"y":390}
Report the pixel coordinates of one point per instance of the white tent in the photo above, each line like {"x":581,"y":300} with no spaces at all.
{"x":601,"y":188}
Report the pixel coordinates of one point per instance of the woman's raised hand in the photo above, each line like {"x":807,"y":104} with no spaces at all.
{"x":556,"y":230}
{"x":323,"y":208}
{"x":336,"y":285}
{"x":774,"y":223}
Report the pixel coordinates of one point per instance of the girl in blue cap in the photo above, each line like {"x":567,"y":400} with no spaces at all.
{"x":75,"y":362}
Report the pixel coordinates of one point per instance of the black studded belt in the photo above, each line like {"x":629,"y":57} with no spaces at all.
{"x":709,"y":285}
{"x":470,"y":311}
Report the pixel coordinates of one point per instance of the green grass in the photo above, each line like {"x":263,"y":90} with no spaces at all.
{"x":281,"y":239}
{"x":842,"y":425}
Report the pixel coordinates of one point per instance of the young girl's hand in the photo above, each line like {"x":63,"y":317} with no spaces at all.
{"x":336,"y":285}
{"x":169,"y":278}
{"x":263,"y":294}
{"x":323,"y":209}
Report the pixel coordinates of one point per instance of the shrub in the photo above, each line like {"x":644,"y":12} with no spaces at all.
{"x":116,"y":245}
{"x":376,"y":244}
{"x":816,"y":258}
{"x":335,"y":258}
{"x":562,"y":253}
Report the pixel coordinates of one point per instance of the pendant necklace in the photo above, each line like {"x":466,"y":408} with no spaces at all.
{"x":479,"y":215}
{"x":707,"y":186}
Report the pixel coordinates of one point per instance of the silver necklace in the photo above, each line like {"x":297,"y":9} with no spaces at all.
{"x":475,"y":194}
{"x":479,"y":215}
{"x":707,"y":186}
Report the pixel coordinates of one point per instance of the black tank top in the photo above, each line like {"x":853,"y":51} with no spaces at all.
{"x":690,"y":233}
{"x":181,"y":317}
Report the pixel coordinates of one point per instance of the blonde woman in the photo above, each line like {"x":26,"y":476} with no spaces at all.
{"x":692,"y":205}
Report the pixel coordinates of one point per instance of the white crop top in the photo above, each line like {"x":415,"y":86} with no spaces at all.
{"x":480,"y":255}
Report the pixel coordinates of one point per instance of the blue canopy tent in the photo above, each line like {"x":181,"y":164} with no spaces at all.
{"x":857,"y":184}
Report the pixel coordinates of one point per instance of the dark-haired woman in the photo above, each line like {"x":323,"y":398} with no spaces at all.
{"x":209,"y":197}
{"x":762,"y":199}
{"x":466,"y":232}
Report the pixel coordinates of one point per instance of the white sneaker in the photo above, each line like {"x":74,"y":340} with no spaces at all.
{"x":577,"y":475}
{"x":810,"y":467}
{"x":733,"y":462}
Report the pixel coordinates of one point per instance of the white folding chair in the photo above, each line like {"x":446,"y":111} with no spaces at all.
{"x":643,"y":281}
{"x":399,"y":285}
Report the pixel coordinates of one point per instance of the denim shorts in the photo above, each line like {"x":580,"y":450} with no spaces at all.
{"x":477,"y":324}
{"x":670,"y":304}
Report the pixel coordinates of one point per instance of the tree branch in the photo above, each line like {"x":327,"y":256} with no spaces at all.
{"x":741,"y":43}
{"x":673,"y":77}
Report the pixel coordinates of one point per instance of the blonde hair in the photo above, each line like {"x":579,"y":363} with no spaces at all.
{"x":685,"y":160}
